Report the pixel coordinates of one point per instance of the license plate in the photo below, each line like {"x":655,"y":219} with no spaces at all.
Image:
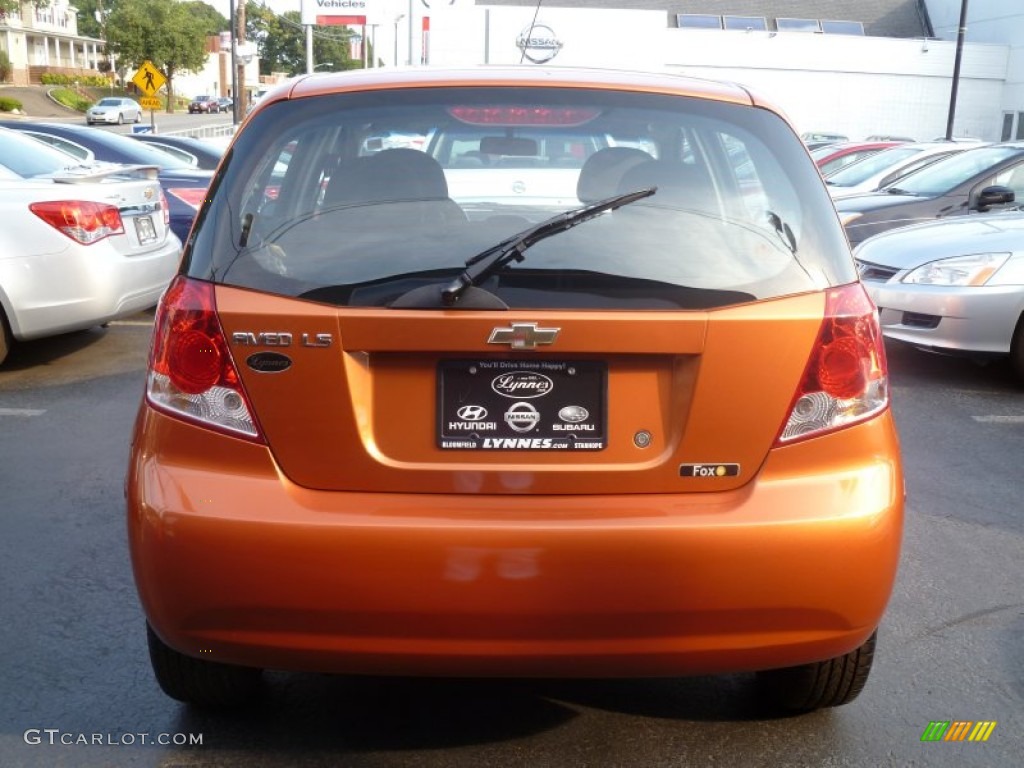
{"x":145,"y":229}
{"x":522,"y":405}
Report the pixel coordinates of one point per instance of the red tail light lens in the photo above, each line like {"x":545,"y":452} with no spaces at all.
{"x":846,"y":380}
{"x":191,"y":374}
{"x":83,"y":221}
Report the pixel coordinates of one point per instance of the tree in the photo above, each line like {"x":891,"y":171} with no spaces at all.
{"x":281,"y":41}
{"x":169,"y":34}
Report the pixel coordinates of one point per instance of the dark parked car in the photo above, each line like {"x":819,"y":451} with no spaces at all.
{"x":974,"y":181}
{"x":200,"y":104}
{"x":184,"y":186}
{"x":225,"y":103}
{"x":195,"y":152}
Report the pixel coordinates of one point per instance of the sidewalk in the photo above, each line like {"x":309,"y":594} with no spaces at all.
{"x":36,"y":103}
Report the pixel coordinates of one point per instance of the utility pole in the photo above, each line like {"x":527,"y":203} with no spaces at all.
{"x":961,"y":33}
{"x":241,"y":96}
{"x":236,"y":103}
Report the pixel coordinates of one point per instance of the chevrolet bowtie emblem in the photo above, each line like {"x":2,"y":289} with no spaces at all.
{"x":523,"y":336}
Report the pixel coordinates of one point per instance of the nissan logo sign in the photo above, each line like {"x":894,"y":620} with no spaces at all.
{"x":539,"y":43}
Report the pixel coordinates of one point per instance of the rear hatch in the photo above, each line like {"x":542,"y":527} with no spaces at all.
{"x":644,"y":340}
{"x":620,"y":402}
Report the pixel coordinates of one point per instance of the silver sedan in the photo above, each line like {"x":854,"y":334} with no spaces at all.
{"x":954,"y":286}
{"x":113,"y":109}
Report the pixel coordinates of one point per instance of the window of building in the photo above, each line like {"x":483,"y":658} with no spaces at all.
{"x":698,"y":21}
{"x":798,"y":25}
{"x":842,"y":27}
{"x":745,"y":22}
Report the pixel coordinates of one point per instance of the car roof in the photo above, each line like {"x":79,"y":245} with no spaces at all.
{"x":126,"y":150}
{"x":547,"y":77}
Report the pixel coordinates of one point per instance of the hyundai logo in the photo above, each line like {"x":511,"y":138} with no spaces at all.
{"x":472,"y":413}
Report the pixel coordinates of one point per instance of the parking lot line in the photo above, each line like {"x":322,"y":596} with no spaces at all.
{"x":22,"y":411}
{"x":994,"y":419}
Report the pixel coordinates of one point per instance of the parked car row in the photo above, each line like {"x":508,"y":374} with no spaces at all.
{"x":81,"y":243}
{"x":97,"y":259}
{"x":939,"y":243}
{"x":184,"y":185}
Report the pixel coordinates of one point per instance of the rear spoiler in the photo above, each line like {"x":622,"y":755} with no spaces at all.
{"x":90,"y":174}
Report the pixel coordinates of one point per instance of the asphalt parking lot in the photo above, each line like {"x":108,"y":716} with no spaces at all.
{"x":75,"y":665}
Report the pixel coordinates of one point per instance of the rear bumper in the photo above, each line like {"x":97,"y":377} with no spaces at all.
{"x":82,"y":287}
{"x":241,"y":566}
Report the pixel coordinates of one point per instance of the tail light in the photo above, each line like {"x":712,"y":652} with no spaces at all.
{"x":191,"y":373}
{"x":165,"y":207}
{"x":83,"y":221}
{"x":846,"y":380}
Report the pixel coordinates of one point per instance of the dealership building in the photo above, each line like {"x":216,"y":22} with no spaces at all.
{"x":865,"y":68}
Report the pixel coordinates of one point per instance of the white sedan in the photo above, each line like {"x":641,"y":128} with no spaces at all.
{"x":952,"y":285}
{"x":114,"y":109}
{"x":79,"y":245}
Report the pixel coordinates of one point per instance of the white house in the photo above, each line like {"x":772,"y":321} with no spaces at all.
{"x":44,"y":39}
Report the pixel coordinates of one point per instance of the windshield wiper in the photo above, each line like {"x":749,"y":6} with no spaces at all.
{"x":512,"y":249}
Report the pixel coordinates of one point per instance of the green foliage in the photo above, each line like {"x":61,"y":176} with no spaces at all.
{"x":5,"y":67}
{"x":89,"y":26}
{"x":71,"y":98}
{"x":49,"y":78}
{"x":281,"y":41}
{"x":167,"y":33}
{"x":213,"y":22}
{"x":87,"y":23}
{"x":8,"y":104}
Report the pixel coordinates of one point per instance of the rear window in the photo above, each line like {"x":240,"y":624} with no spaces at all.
{"x":357,"y":199}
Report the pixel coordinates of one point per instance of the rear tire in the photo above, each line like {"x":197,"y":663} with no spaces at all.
{"x":120,"y":119}
{"x":199,"y":682}
{"x":829,"y":683}
{"x":5,"y":338}
{"x":1017,"y":350}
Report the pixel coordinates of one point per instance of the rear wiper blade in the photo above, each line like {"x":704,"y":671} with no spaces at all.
{"x":512,"y":249}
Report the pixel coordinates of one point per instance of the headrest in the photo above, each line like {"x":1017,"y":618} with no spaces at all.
{"x":392,"y":174}
{"x":679,"y":184}
{"x":603,"y":170}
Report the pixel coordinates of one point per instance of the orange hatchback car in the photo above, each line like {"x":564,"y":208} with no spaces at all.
{"x":389,"y":431}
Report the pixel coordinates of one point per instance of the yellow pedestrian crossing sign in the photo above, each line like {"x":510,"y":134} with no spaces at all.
{"x":149,"y":79}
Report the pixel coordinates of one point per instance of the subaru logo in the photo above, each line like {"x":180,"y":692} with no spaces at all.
{"x":573,"y":414}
